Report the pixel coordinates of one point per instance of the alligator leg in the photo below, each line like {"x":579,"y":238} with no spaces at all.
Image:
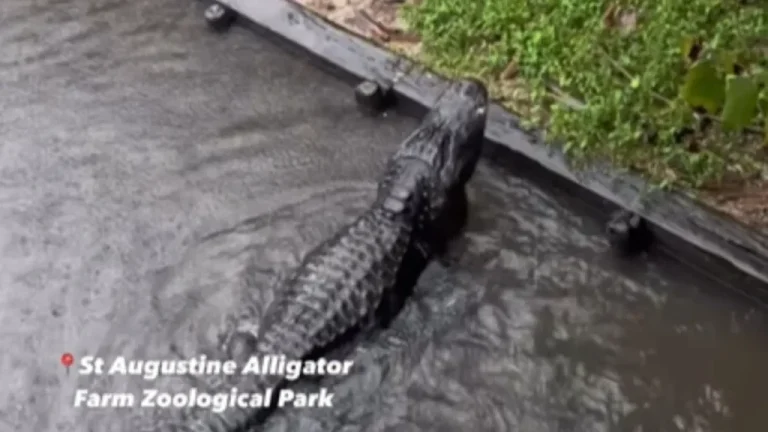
{"x":435,"y":244}
{"x":394,"y":300}
{"x":240,"y":342}
{"x":449,"y":225}
{"x":413,"y":264}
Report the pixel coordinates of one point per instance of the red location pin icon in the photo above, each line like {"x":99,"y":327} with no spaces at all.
{"x":67,"y":359}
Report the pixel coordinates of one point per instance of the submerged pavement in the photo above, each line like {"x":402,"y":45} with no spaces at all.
{"x":155,"y":179}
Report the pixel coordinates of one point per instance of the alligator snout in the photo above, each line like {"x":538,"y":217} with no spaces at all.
{"x":464,"y":103}
{"x":473,"y":89}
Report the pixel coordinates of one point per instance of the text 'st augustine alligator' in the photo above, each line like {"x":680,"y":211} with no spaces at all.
{"x":267,"y":365}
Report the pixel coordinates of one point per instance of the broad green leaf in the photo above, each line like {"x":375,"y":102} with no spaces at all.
{"x":761,"y":77}
{"x":704,"y":87}
{"x":740,"y":102}
{"x":727,"y":61}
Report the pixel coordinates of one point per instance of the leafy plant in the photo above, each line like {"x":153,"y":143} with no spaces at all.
{"x":704,"y":87}
{"x":610,"y":82}
{"x":740,"y":108}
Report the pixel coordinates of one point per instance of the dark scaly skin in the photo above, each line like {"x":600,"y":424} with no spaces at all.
{"x":351,"y":279}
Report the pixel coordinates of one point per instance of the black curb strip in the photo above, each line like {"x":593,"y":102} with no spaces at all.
{"x":696,"y":236}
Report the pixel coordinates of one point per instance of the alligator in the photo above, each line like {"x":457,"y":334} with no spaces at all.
{"x":355,"y":279}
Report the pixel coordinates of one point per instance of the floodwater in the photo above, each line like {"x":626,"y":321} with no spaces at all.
{"x":155,"y":180}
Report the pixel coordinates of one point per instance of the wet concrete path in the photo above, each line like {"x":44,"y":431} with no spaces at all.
{"x":154,"y":178}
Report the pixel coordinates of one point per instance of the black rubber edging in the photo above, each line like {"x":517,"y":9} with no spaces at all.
{"x":717,"y":245}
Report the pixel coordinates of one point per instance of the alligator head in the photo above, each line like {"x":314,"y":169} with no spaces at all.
{"x":462,"y":110}
{"x":449,"y":140}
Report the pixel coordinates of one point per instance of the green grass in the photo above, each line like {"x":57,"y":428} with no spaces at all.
{"x":619,"y":92}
